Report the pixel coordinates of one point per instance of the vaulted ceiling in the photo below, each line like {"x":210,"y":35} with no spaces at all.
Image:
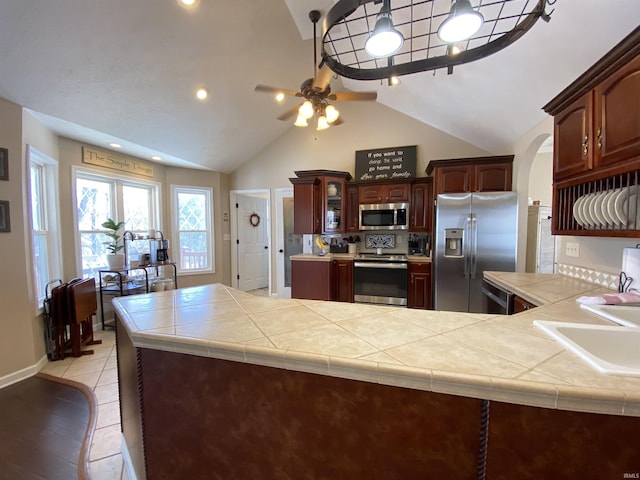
{"x":125,"y":72}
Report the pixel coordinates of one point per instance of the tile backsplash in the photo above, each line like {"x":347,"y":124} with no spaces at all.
{"x":603,"y":279}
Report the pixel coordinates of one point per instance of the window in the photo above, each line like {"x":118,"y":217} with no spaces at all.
{"x":192,"y":224}
{"x":99,"y":197}
{"x":45,"y":236}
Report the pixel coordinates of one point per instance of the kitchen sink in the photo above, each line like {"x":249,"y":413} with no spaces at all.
{"x":629,"y":316}
{"x":613,"y":350}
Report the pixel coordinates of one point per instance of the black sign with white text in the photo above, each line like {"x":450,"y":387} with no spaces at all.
{"x":386,"y":163}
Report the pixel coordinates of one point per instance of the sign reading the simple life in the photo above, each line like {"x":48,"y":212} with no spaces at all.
{"x":386,"y":163}
{"x":102,"y":158}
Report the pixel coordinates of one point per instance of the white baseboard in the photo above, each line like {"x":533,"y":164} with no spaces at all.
{"x":23,"y":374}
{"x":126,"y":459}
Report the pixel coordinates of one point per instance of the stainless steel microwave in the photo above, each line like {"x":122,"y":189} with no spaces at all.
{"x":384,"y":216}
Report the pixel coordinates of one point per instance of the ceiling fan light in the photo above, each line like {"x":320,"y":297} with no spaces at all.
{"x":306,"y":109}
{"x":322,"y":123}
{"x":461,"y":24}
{"x":385,"y":40}
{"x":279,"y":97}
{"x":331,"y":113}
{"x":300,"y":121}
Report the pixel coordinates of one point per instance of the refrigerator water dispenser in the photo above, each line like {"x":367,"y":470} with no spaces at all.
{"x":453,"y":242}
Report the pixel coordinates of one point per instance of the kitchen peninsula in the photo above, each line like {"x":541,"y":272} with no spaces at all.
{"x":216,"y":383}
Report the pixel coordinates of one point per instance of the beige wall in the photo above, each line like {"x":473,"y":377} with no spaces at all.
{"x":541,"y":178}
{"x":18,"y":319}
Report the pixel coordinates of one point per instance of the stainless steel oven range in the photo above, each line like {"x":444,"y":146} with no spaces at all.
{"x":380,"y":279}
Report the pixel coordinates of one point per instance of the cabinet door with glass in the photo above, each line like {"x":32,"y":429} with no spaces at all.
{"x":333,"y":194}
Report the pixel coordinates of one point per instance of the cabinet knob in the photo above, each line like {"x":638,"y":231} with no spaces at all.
{"x":585,"y":146}
{"x":599,"y":138}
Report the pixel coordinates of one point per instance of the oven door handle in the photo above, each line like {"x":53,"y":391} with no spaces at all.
{"x":398,"y":266}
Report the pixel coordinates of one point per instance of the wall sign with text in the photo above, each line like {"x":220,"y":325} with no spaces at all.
{"x":102,"y":158}
{"x":386,"y":163}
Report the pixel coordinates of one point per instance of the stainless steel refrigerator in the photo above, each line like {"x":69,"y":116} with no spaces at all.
{"x":474,"y":232}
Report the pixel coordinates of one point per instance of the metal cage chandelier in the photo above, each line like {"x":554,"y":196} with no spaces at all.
{"x":428,"y":41}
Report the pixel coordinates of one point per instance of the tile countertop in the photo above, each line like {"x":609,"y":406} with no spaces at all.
{"x":349,"y":256}
{"x":475,"y":355}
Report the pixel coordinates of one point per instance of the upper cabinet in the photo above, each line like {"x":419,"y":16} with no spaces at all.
{"x":384,"y":193}
{"x":480,"y":174}
{"x":319,"y":199}
{"x":597,"y":147}
{"x":421,"y":205}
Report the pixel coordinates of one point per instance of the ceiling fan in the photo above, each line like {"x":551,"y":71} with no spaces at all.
{"x":317,"y":93}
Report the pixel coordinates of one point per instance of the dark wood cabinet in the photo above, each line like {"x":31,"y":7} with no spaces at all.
{"x":311,"y":279}
{"x":306,"y":205}
{"x":384,"y":193}
{"x":597,"y":144}
{"x":616,"y":128}
{"x":319,"y":201}
{"x":421,"y":206}
{"x":522,"y":305}
{"x":352,"y":210}
{"x":419,"y":294}
{"x":342,"y":280}
{"x":480,"y":174}
{"x":571,"y":131}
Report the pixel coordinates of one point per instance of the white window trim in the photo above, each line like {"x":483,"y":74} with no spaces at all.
{"x":75,"y":171}
{"x":211,"y":257}
{"x":52,"y":206}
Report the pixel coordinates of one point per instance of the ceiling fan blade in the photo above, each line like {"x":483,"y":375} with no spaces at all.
{"x":289,"y":113}
{"x":350,"y":96}
{"x":322,"y":78}
{"x":339,"y":121}
{"x":268,"y":89}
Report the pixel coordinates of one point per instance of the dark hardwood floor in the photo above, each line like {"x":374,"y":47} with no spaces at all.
{"x":43,"y":428}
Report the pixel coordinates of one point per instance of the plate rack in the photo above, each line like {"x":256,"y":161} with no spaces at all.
{"x":605,"y":207}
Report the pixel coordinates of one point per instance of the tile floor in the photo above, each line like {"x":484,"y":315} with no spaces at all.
{"x":99,"y":372}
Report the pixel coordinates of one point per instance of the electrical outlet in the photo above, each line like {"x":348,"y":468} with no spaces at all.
{"x":572,"y":249}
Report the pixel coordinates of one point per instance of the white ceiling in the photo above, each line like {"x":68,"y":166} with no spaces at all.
{"x":123,"y":71}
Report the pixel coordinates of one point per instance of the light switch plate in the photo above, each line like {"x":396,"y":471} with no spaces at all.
{"x":572,"y":249}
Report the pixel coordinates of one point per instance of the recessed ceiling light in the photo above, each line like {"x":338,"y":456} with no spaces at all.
{"x":156,"y":157}
{"x":188,"y":3}
{"x":201,"y":94}
{"x":115,"y":145}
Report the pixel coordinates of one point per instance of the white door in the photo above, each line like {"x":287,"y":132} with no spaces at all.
{"x":288,"y":243}
{"x":253,"y":242}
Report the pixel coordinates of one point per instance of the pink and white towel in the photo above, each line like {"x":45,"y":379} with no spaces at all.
{"x":610,"y":299}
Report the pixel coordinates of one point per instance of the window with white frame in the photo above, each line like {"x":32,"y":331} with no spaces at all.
{"x":99,"y":197}
{"x":192,"y":217}
{"x":45,"y":234}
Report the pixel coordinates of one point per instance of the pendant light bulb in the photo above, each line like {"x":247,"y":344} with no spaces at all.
{"x":385,"y":40}
{"x":461,"y":24}
{"x":300,"y":121}
{"x":322,"y":123}
{"x":306,"y":109}
{"x":331,"y":113}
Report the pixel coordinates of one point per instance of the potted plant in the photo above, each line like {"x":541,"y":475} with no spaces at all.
{"x":114,"y":259}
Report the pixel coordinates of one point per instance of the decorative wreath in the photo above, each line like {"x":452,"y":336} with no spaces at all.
{"x":254,"y":219}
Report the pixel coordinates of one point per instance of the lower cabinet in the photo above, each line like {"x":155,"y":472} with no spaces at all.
{"x":322,"y":279}
{"x":342,"y":280}
{"x":521,"y":305}
{"x":419,"y":294}
{"x":311,"y":279}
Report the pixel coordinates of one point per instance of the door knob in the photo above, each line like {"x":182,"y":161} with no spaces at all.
{"x":281,"y":251}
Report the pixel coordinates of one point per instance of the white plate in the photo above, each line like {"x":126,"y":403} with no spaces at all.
{"x":585,"y":211}
{"x":633,"y":209}
{"x":611,"y":210}
{"x":621,"y":206}
{"x":604,"y":209}
{"x":576,"y":211}
{"x":596,"y":209}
